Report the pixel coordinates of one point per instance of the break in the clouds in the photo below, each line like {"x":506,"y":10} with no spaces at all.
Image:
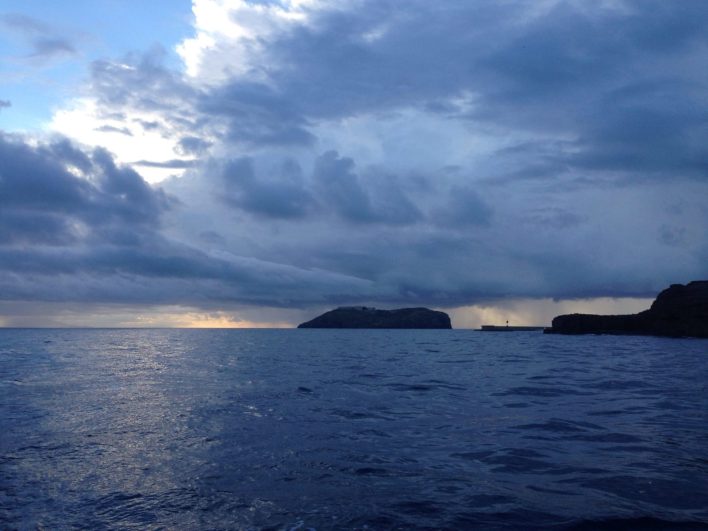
{"x":313,"y":152}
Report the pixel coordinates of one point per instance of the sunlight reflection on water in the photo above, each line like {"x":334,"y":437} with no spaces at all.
{"x":326,"y":428}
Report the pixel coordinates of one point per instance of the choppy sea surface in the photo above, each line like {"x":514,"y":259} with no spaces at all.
{"x":351,"y":429}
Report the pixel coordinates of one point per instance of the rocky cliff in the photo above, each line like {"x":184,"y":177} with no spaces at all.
{"x":365,"y":317}
{"x":679,"y":311}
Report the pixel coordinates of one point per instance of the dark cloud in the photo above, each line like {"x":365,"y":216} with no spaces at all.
{"x":212,"y":237}
{"x":48,"y":185}
{"x":76,"y":226}
{"x":113,"y":129}
{"x":278,"y":196}
{"x":342,"y":190}
{"x":106,"y":114}
{"x":339,"y":186}
{"x":673,"y":236}
{"x":390,"y":199}
{"x":141,"y":82}
{"x":554,"y":217}
{"x":169,"y":164}
{"x":437,"y":154}
{"x":255,"y":114}
{"x":148,"y":125}
{"x":464,"y":207}
{"x":55,"y":192}
{"x":612,"y":89}
{"x":192,"y":145}
{"x":45,"y":42}
{"x":24,"y":23}
{"x":28,"y":227}
{"x":559,"y":71}
{"x":158,"y":272}
{"x":4,"y":104}
{"x":645,"y":131}
{"x":131,"y":198}
{"x":280,"y":190}
{"x":49,"y":47}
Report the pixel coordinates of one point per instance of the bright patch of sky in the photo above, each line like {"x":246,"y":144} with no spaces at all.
{"x":45,"y":47}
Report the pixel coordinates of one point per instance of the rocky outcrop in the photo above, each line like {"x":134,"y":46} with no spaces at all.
{"x":366,"y":317}
{"x":679,"y":311}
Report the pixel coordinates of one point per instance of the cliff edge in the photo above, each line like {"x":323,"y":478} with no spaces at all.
{"x":366,"y":317}
{"x":679,"y":311}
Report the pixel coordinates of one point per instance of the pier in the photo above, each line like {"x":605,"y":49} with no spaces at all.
{"x":507,"y":328}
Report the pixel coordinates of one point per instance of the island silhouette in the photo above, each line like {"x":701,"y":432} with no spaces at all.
{"x":678,"y":311}
{"x":368,"y":317}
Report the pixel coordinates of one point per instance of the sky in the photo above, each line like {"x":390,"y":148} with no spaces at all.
{"x":248,"y":163}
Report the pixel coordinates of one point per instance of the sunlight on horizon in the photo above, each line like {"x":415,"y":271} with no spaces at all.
{"x":519,"y":312}
{"x":540,"y":312}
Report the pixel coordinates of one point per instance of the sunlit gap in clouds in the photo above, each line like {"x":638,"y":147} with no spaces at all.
{"x":68,"y":315}
{"x":540,"y":312}
{"x":519,"y":312}
{"x":132,"y":139}
{"x":195,"y":319}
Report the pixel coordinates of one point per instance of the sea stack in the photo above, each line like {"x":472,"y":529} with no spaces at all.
{"x":679,"y":311}
{"x":367,"y":317}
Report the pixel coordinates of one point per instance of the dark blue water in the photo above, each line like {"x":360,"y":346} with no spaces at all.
{"x":298,"y":429}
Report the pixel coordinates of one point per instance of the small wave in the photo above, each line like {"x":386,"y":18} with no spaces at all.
{"x":356,"y":415}
{"x":541,"y":392}
{"x":265,"y":430}
{"x":411,"y":387}
{"x":517,"y":404}
{"x":620,"y":385}
{"x":419,"y":507}
{"x":645,"y":523}
{"x":617,"y":438}
{"x":371,"y":471}
{"x":560,"y":426}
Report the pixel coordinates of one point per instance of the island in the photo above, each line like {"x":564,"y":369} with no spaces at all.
{"x":507,"y":328}
{"x":678,"y":311}
{"x":367,"y":317}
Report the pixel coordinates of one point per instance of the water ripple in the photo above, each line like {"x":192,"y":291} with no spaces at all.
{"x":215,"y":429}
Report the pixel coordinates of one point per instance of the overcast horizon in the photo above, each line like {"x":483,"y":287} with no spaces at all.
{"x":236,"y":163}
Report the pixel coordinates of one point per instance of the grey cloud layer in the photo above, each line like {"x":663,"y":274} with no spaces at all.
{"x":622,"y":87}
{"x":75,"y":226}
{"x":54,"y":192}
{"x":433,"y":153}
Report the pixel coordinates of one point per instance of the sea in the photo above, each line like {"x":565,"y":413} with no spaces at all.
{"x":351,"y":429}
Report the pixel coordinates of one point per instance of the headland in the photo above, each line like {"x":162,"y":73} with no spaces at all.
{"x":678,"y":311}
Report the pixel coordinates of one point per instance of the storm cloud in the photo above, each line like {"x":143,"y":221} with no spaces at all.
{"x":427,"y":153}
{"x":76,"y":226}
